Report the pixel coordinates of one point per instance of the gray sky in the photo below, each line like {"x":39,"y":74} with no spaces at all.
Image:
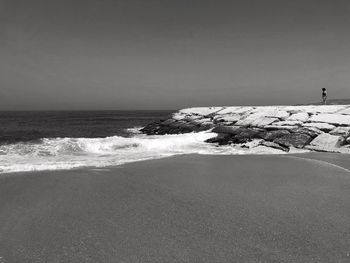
{"x":169,"y":54}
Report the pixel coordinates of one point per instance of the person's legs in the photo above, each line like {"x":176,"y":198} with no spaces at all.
{"x":324,"y":100}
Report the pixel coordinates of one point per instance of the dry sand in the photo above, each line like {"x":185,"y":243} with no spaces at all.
{"x":181,"y":209}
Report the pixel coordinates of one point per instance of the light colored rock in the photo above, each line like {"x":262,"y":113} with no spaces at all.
{"x":314,"y":130}
{"x":325,"y":142}
{"x":280,"y":127}
{"x":301,"y":116}
{"x":345,"y":111}
{"x":233,"y":110}
{"x":287,"y":123}
{"x":320,"y":125}
{"x":200,"y":121}
{"x":229,"y":118}
{"x":337,"y":119}
{"x":270,"y":111}
{"x":192,"y":117}
{"x":343,"y":131}
{"x":201,"y":110}
{"x":178,"y":116}
{"x":256,"y":121}
{"x":313,"y":109}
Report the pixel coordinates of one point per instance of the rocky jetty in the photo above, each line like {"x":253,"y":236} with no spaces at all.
{"x":318,"y":127}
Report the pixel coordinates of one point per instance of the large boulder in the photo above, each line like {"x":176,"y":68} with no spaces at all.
{"x":168,"y":122}
{"x":297,"y":140}
{"x":274,"y":145}
{"x":326,"y":142}
{"x":246,"y":135}
{"x":336,"y":119}
{"x":300,"y":116}
{"x":287,"y":123}
{"x":201,"y":110}
{"x":228,"y":118}
{"x":206,"y":126}
{"x":151,"y":128}
{"x":320,"y":125}
{"x":343,"y":131}
{"x":345,"y":111}
{"x":233,"y":130}
{"x":221,"y":139}
{"x":255,"y":120}
{"x":272,"y":135}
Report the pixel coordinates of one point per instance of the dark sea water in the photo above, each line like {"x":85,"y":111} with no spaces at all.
{"x":35,"y":125}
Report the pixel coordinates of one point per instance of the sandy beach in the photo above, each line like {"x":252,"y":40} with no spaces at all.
{"x":192,"y":208}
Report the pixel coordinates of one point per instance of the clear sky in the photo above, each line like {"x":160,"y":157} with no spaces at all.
{"x":169,"y":54}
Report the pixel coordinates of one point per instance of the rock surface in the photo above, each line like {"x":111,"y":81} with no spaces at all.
{"x":316,"y":127}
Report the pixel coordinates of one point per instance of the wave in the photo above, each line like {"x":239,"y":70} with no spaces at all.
{"x":68,"y":153}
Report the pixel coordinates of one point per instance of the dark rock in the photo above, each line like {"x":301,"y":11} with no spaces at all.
{"x":187,"y":127}
{"x":347,"y":140}
{"x":233,"y":130}
{"x":275,"y":146}
{"x":272,"y":135}
{"x":151,"y":128}
{"x":246,"y":135}
{"x":297,"y":140}
{"x":168,"y":122}
{"x":310,"y":132}
{"x":221,"y":139}
{"x":205,"y":126}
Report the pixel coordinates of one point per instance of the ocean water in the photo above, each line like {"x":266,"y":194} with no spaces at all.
{"x":34,"y":141}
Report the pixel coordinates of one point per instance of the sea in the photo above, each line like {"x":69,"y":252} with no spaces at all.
{"x":53,"y":140}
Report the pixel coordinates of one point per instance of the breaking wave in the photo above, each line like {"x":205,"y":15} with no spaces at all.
{"x":68,"y":153}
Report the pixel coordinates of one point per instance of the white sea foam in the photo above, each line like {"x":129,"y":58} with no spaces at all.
{"x":68,"y":153}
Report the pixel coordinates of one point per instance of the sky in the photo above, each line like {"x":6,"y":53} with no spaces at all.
{"x":171,"y":54}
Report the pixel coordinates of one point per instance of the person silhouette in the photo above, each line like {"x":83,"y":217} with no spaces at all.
{"x":324,"y":96}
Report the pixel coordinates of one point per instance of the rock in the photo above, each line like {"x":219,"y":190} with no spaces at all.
{"x":287,"y":123}
{"x":255,"y":121}
{"x":229,"y":118}
{"x":271,"y":112}
{"x":336,"y":119}
{"x":272,"y":135}
{"x":297,"y":140}
{"x":274,"y":145}
{"x":168,"y":122}
{"x":246,"y":135}
{"x":347,"y":140}
{"x":310,"y":131}
{"x":235,"y":110}
{"x":313,"y":131}
{"x":221,"y":139}
{"x":251,"y":144}
{"x":178,"y":116}
{"x":313,"y":109}
{"x":275,"y":127}
{"x":301,"y":116}
{"x":319,"y":125}
{"x":343,"y":131}
{"x":191,"y":118}
{"x":233,"y":130}
{"x":345,"y":111}
{"x":326,"y":142}
{"x":201,"y":121}
{"x":201,"y":110}
{"x":206,"y":126}
{"x":151,"y":128}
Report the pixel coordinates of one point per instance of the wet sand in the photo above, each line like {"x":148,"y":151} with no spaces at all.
{"x":181,"y":209}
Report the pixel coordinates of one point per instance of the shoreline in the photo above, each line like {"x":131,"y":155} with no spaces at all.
{"x":207,"y":208}
{"x":313,"y":154}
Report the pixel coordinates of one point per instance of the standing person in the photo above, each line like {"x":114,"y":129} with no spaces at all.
{"x":324,"y":96}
